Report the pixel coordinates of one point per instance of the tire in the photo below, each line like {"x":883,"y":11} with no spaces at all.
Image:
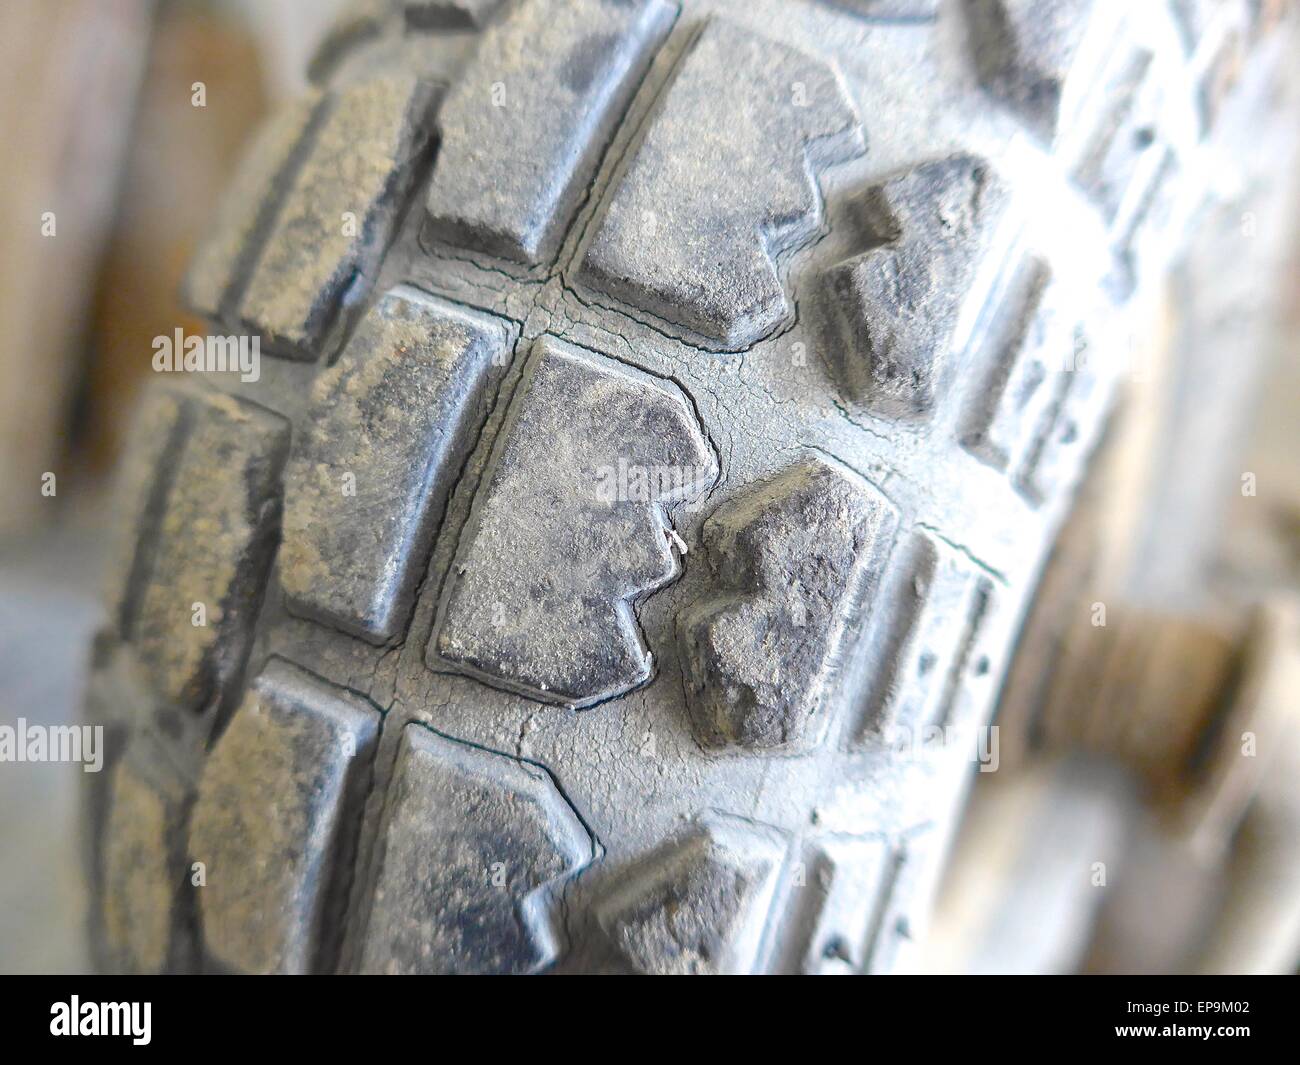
{"x":661,"y":419}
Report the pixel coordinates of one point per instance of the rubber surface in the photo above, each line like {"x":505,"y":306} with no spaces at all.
{"x":663,"y":415}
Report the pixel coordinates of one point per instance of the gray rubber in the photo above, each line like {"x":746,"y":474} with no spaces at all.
{"x":664,"y":415}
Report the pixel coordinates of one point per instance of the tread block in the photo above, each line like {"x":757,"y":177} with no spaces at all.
{"x":210,"y":542}
{"x":143,"y":866}
{"x":449,"y":14}
{"x":534,"y":110}
{"x":872,"y":886}
{"x":1144,"y":222}
{"x":355,"y":21}
{"x":1065,"y":431}
{"x":1023,"y":52}
{"x":794,"y":557}
{"x":742,"y":113}
{"x":472,"y":840}
{"x":140,"y":489}
{"x":1218,"y":36}
{"x":1031,"y":345}
{"x":225,"y":255}
{"x":698,"y":904}
{"x":388,"y":431}
{"x":900,"y":10}
{"x":338,"y":212}
{"x":591,"y":453}
{"x":271,"y":818}
{"x":1221,"y":76}
{"x":845,"y":889}
{"x":1123,"y":143}
{"x":943,"y":604}
{"x":1193,"y":18}
{"x":1043,"y":398}
{"x":896,"y":305}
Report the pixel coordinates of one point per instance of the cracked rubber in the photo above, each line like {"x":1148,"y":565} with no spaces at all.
{"x":664,"y":413}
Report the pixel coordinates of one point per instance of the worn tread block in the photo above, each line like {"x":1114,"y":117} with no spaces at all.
{"x":397,"y":412}
{"x":941,"y":607}
{"x":1023,"y":53}
{"x":698,"y":904}
{"x":231,"y":242}
{"x":212,"y":545}
{"x":567,"y":69}
{"x":339,"y":212}
{"x":271,"y":821}
{"x":471,"y":841}
{"x":742,"y":113}
{"x":793,"y":556}
{"x":143,"y":867}
{"x":896,"y":305}
{"x":557,"y":623}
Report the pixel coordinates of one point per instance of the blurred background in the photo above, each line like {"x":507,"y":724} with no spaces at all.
{"x":1127,"y":828}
